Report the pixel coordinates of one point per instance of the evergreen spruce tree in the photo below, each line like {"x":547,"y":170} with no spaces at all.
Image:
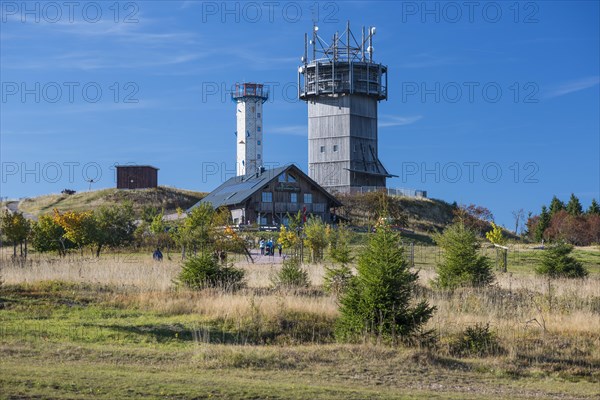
{"x":378,"y":300}
{"x":574,"y":206}
{"x":557,"y":262}
{"x":461,"y":264}
{"x":594,"y":208}
{"x":556,"y":205}
{"x":543,"y":224}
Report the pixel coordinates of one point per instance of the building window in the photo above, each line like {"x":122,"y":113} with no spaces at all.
{"x":322,"y":149}
{"x":335,"y":147}
{"x":258,"y":128}
{"x":258,"y":115}
{"x":293,"y":197}
{"x":286,"y":178}
{"x":258,"y":142}
{"x":252,"y":108}
{"x":307,"y":198}
{"x":263,"y":220}
{"x":267,"y":197}
{"x":258,"y":156}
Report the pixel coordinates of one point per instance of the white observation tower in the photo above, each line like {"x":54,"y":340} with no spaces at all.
{"x":249,"y":98}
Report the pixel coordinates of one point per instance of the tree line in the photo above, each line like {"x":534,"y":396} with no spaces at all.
{"x":566,"y":222}
{"x":117,"y":227}
{"x":108,"y":227}
{"x":70,"y":230}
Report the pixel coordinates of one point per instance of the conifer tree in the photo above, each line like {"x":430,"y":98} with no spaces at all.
{"x":543,"y":224}
{"x":556,"y":205}
{"x":574,"y":206}
{"x":378,"y":301}
{"x":594,"y":208}
{"x":461,"y":264}
{"x":557,"y":262}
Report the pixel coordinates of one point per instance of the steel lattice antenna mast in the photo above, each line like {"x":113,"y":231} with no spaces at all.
{"x":342,"y":85}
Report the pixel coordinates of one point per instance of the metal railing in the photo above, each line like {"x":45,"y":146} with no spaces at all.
{"x":390,"y":191}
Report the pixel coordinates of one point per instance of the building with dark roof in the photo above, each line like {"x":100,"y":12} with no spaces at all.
{"x":137,"y":177}
{"x":266,"y":197}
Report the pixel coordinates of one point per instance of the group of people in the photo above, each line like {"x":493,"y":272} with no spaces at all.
{"x":267,"y":248}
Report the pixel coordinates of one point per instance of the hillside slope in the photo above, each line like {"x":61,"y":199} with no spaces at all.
{"x":419,"y":214}
{"x":163,"y":197}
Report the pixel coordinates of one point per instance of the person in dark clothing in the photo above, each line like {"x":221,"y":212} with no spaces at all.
{"x":157,"y":255}
{"x":279,"y":247}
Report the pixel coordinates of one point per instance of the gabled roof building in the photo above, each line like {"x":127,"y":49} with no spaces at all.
{"x":266,"y":197}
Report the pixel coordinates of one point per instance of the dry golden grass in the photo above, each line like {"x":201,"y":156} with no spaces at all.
{"x":224,"y":305}
{"x":138,"y":271}
{"x":111,"y":270}
{"x":532,"y":316}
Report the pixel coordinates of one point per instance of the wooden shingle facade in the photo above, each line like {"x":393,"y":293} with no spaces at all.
{"x":267,"y":197}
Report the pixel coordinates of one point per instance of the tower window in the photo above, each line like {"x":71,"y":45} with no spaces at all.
{"x":258,"y":142}
{"x":322,"y":149}
{"x":258,"y":115}
{"x":258,"y":128}
{"x":335,"y":147}
{"x":258,"y":156}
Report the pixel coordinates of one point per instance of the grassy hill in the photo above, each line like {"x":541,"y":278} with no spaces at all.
{"x":161,"y":197}
{"x":418,"y":214}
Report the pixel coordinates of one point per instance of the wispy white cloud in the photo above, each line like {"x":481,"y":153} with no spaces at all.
{"x":294,"y":130}
{"x":31,"y":132}
{"x":143,"y":44}
{"x":188,"y":3}
{"x":83,"y":108}
{"x":386,"y":121}
{"x":397,"y":120}
{"x":251,"y":56}
{"x":427,"y":60}
{"x":88,"y":60}
{"x":573,"y":86}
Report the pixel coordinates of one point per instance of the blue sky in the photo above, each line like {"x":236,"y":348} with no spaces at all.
{"x":496,"y":105}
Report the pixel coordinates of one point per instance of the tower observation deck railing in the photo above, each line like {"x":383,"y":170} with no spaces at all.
{"x":322,"y":77}
{"x":250,"y":90}
{"x":343,"y":66}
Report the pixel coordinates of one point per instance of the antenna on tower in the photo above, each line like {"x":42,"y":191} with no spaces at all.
{"x":343,"y":75}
